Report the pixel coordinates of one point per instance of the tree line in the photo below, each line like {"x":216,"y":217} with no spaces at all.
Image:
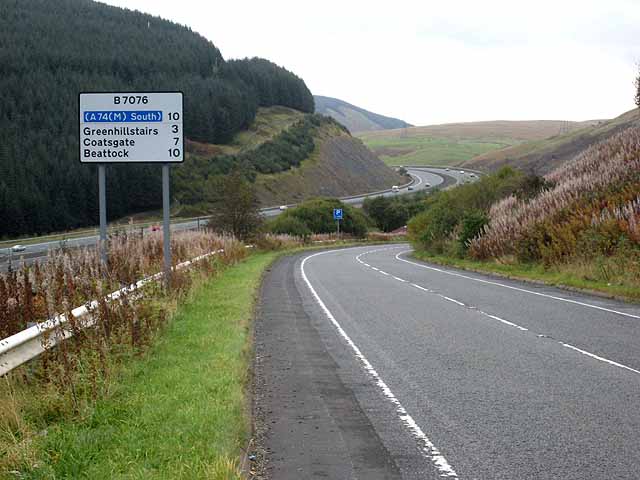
{"x":51,"y":51}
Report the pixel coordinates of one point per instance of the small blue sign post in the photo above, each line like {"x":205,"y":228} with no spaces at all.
{"x":337,"y":216}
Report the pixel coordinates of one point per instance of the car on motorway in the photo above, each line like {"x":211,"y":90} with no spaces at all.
{"x":462,"y":172}
{"x":410,"y":187}
{"x":427,"y":184}
{"x":282,"y":208}
{"x":395,"y":189}
{"x":18,"y":248}
{"x":448,"y":169}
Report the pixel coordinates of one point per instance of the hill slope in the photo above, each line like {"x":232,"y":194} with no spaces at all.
{"x":51,"y":51}
{"x":356,"y":119}
{"x":586,"y":221}
{"x":542,"y":156}
{"x":340,"y":165}
{"x":451,"y":144}
{"x":294,"y":155}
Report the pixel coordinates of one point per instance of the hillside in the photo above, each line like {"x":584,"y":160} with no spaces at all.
{"x":356,"y":119}
{"x":340,"y":165}
{"x":585,"y":221}
{"x":454,"y":143}
{"x":51,"y":51}
{"x":293,"y":156}
{"x":543,"y":155}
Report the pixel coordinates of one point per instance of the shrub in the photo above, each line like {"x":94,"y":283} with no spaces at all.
{"x":471,"y":226}
{"x":289,"y":225}
{"x":316,"y":216}
{"x":270,"y":241}
{"x":443,"y":215}
{"x":387,"y":213}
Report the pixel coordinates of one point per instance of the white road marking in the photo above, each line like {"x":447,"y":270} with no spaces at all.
{"x":602,"y":359}
{"x":502,"y":320}
{"x":453,"y":300}
{"x":506,"y":322}
{"x":418,"y":177}
{"x":427,"y":447}
{"x":588,"y":305}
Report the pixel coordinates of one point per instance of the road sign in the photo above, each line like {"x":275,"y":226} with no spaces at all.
{"x":337,"y":214}
{"x":121,"y":127}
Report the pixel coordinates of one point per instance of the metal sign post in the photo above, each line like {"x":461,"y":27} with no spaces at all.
{"x":132,"y":127}
{"x":337,"y":216}
{"x":166,"y":226}
{"x":102,"y":200}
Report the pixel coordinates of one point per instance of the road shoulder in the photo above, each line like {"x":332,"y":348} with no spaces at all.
{"x":307,"y":422}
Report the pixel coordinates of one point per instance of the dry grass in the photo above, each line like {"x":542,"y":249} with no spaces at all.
{"x":70,"y":378}
{"x":613,"y":163}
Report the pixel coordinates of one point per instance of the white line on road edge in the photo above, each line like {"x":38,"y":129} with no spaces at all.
{"x":502,"y":320}
{"x":428,"y":448}
{"x":433,"y":292}
{"x":514,"y":288}
{"x":602,"y":359}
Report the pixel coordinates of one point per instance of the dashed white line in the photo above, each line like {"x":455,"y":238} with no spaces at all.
{"x":494,"y":317}
{"x":498,"y":284}
{"x":428,"y":448}
{"x":597,"y":357}
{"x":453,"y":300}
{"x":506,"y":322}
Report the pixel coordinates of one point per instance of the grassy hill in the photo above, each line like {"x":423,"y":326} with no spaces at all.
{"x":541,"y":156}
{"x":455,"y":143}
{"x":334,"y":164}
{"x":356,"y":119}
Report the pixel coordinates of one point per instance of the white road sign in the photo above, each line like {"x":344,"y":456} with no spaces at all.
{"x":131,"y":127}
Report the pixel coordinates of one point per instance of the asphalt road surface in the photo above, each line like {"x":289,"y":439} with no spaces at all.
{"x":424,"y":178}
{"x":371,"y":365}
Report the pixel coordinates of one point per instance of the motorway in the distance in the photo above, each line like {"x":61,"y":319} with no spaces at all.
{"x":371,"y":364}
{"x":423,"y":178}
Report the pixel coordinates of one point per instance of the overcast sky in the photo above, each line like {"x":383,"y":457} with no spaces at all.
{"x":430,"y":62}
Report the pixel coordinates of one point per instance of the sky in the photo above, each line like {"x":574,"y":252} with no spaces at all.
{"x":430,"y":62}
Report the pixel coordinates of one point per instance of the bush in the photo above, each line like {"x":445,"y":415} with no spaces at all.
{"x":451,"y":218}
{"x":471,"y":226}
{"x":316,"y":216}
{"x":287,"y":224}
{"x":387,"y":213}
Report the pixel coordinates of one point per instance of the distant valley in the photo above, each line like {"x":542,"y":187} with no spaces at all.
{"x":456,"y":143}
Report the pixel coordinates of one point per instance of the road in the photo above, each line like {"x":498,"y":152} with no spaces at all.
{"x":370,"y":364}
{"x":433,"y":177}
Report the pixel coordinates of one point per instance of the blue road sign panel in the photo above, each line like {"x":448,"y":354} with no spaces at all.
{"x":337,"y":214}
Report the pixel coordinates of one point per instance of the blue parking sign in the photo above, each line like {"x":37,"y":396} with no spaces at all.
{"x":337,"y":214}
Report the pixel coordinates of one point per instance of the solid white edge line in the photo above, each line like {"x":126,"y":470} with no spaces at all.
{"x":514,"y":288}
{"x":428,"y":448}
{"x":597,"y":357}
{"x":584,"y":352}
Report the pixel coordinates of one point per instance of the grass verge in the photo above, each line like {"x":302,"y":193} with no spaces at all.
{"x":574,"y":276}
{"x":179,"y":412}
